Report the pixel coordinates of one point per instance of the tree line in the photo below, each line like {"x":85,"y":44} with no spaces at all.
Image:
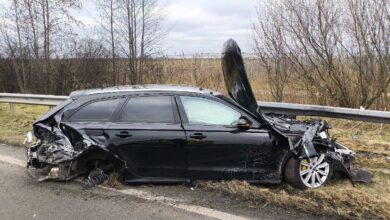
{"x":337,"y":49}
{"x":41,"y":52}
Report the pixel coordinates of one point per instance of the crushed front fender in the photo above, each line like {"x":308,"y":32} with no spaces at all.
{"x":310,"y":138}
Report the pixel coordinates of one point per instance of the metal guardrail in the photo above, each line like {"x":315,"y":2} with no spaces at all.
{"x":13,"y":98}
{"x":49,"y":100}
{"x":326,"y":111}
{"x":274,"y":107}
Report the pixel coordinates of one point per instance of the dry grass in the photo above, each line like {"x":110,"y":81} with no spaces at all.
{"x":339,"y":198}
{"x":13,"y":129}
{"x":207,"y":73}
{"x":114,"y":181}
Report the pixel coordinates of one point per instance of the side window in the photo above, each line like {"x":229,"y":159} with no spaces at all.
{"x":206,"y":111}
{"x":97,"y":111}
{"x":148,"y":109}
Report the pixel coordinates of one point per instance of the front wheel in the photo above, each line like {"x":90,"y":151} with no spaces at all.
{"x":308,"y":173}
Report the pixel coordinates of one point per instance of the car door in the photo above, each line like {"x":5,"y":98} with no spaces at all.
{"x":218,"y":150}
{"x":147,"y":134}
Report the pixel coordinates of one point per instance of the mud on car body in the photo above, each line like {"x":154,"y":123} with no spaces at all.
{"x":159,"y":133}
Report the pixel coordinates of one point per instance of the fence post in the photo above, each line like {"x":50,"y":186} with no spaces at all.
{"x":12,"y":109}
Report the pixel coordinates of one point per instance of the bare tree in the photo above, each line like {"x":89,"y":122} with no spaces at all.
{"x":55,"y":25}
{"x":32,"y":31}
{"x":141,"y":34}
{"x":36,"y":31}
{"x":270,"y":47}
{"x":108,"y":16}
{"x":339,"y":49}
{"x":315,"y":53}
{"x":92,"y":64}
{"x":369,"y":47}
{"x":12,"y":37}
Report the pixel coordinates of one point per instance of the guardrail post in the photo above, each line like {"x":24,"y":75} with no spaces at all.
{"x":12,"y":109}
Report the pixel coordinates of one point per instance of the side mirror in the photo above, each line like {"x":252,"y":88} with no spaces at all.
{"x":244,"y":123}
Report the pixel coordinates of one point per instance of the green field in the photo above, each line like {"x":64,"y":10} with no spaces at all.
{"x":338,"y":198}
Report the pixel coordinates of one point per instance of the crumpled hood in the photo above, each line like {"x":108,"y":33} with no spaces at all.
{"x":306,"y":139}
{"x":236,"y":79}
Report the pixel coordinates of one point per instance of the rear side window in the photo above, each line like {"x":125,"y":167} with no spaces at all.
{"x":148,"y":109}
{"x":97,"y":111}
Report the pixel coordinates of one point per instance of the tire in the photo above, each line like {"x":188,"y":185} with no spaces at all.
{"x":300,"y":172}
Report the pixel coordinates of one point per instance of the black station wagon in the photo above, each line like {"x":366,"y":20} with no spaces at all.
{"x":165,"y":133}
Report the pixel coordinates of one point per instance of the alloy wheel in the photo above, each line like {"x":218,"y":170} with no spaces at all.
{"x":314,"y":171}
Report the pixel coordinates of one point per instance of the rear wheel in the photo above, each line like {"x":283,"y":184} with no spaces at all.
{"x":308,"y":173}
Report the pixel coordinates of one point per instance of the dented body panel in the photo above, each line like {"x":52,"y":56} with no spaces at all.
{"x":158,"y":152}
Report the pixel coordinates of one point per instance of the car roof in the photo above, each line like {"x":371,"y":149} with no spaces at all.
{"x":144,"y":88}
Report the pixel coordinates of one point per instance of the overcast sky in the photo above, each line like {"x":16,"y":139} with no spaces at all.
{"x":197,"y":26}
{"x":203,"y":25}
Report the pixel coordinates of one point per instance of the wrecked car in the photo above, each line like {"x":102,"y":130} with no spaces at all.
{"x":169,"y":134}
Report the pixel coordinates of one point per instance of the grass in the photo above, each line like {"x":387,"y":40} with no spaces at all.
{"x":13,"y":129}
{"x":207,"y":73}
{"x":339,"y":198}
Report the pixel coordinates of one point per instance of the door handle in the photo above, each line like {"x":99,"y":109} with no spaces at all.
{"x":123,"y":134}
{"x":198,"y":136}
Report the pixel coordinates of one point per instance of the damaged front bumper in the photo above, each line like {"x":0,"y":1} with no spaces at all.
{"x":308,"y":139}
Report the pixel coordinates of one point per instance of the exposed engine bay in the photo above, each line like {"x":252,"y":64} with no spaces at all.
{"x":309,"y":138}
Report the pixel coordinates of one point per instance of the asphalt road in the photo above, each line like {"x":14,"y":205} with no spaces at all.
{"x":24,"y":198}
